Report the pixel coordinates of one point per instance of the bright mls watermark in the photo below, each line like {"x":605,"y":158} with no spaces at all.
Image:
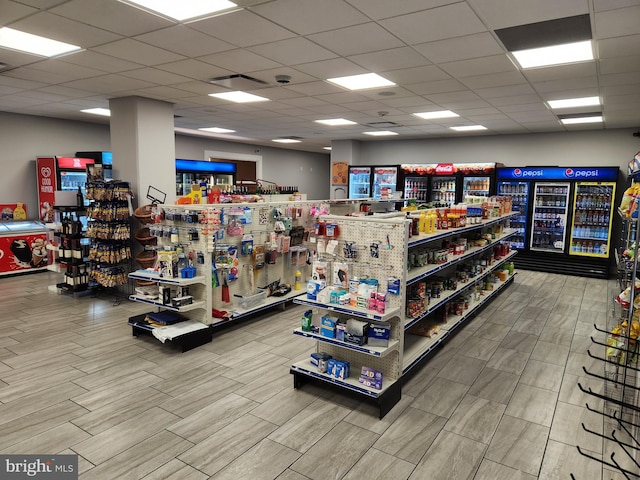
{"x":49,"y":467}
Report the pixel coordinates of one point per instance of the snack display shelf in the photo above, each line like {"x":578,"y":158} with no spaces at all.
{"x":441,"y":234}
{"x":451,"y":293}
{"x":368,"y":349}
{"x":351,"y":383}
{"x":419,"y":273}
{"x":184,"y":308}
{"x":416,"y":348}
{"x":355,"y":311}
{"x":169,"y":281}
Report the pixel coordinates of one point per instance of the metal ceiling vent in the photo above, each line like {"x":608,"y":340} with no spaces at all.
{"x":238,"y":81}
{"x":383,"y":124}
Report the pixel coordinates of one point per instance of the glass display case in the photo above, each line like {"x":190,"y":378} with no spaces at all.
{"x":549,"y":222}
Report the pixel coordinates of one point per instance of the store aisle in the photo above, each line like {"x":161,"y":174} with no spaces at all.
{"x":499,"y":401}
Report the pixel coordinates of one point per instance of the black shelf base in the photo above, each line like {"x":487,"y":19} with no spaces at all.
{"x":385,"y":402}
{"x":185,"y":342}
{"x":563,"y":264}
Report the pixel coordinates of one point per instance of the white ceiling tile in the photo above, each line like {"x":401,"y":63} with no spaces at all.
{"x":293,"y":51}
{"x":620,"y":65}
{"x":460,"y":48}
{"x":619,"y":89}
{"x":242,"y":28}
{"x":269,"y":75}
{"x":138,"y":52}
{"x":108,"y":84}
{"x":461,"y":96}
{"x":456,"y":105}
{"x":17,"y":59}
{"x":494,"y":80}
{"x":532,"y":116}
{"x":479,"y":66}
{"x":315,"y":88}
{"x":68,"y":92}
{"x":99,"y":61}
{"x":303,"y":101}
{"x":35,"y":74}
{"x":381,"y":95}
{"x":64,"y":30}
{"x":342,"y":98}
{"x":617,"y":23}
{"x":584,"y":69}
{"x":409,"y":76}
{"x":618,"y":47}
{"x":529,"y":107}
{"x":185,"y":41}
{"x":162,"y":92}
{"x":565,"y":84}
{"x":239,"y":60}
{"x":622,"y":101}
{"x":42,"y":4}
{"x":544,"y":126}
{"x":515,"y":100}
{"x":480,"y":111}
{"x":364,"y":38}
{"x":507,"y":90}
{"x":573,"y":93}
{"x":11,"y":11}
{"x":601,"y":5}
{"x":337,"y":67}
{"x":392,"y":59}
{"x":61,"y":72}
{"x":113,"y":16}
{"x":619,"y":79}
{"x":378,"y":9}
{"x":194,"y":69}
{"x":440,"y":86}
{"x":154,"y":75}
{"x":310,"y":16}
{"x":409,"y":104}
{"x":499,"y":14}
{"x":444,"y":22}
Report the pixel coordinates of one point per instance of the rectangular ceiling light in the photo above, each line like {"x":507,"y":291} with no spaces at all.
{"x":361,"y":82}
{"x":468,"y":128}
{"x":183,"y":9}
{"x":576,"y":120}
{"x":574,"y":102}
{"x":105,"y":112}
{"x":326,"y":148}
{"x":380,"y":133}
{"x":216,"y":130}
{"x":555,"y":55}
{"x":35,"y":44}
{"x":335,"y":121}
{"x":439,"y":114}
{"x":285,"y":140}
{"x":239,"y":97}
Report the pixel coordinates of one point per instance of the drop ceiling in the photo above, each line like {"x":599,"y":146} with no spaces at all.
{"x":443,"y":55}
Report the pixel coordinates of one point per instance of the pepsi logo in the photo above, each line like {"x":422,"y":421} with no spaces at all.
{"x":45,"y":172}
{"x":517,"y":172}
{"x":569,"y":172}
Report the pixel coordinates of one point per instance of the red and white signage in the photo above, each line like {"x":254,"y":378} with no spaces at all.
{"x":445,"y":169}
{"x":47,"y":186}
{"x":23,"y":252}
{"x":71,"y":163}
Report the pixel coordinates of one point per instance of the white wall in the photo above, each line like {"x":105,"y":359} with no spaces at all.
{"x":587,"y":148}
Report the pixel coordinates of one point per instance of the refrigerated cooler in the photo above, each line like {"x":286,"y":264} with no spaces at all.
{"x":193,"y":172}
{"x":360,"y":182}
{"x":56,"y":174}
{"x":519,"y":193}
{"x":447,"y":183}
{"x":101,"y":158}
{"x":566,"y":217}
{"x":23,"y":247}
{"x":386,"y":178}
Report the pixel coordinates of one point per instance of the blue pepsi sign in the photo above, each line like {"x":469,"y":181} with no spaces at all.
{"x":202,"y":166}
{"x":584,"y":174}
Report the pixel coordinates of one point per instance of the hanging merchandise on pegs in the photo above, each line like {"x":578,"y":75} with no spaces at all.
{"x":374,"y":250}
{"x":246,"y":245}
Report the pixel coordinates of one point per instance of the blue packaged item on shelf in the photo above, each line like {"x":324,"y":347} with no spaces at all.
{"x":328,"y":327}
{"x":317,"y":357}
{"x":378,"y":334}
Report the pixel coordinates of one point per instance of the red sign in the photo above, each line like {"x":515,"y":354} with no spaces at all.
{"x":47,"y":185}
{"x":74,"y":163}
{"x":445,"y":169}
{"x":23,"y":252}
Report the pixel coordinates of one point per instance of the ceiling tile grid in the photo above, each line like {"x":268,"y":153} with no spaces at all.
{"x":441,"y":54}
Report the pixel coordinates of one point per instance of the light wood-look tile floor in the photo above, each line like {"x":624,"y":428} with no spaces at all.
{"x":499,"y":401}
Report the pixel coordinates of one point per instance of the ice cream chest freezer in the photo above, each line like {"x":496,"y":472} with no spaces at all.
{"x":23,"y":247}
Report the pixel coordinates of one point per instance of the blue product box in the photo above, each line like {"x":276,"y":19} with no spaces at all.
{"x":328,"y":327}
{"x":340,"y":331}
{"x":316,"y":357}
{"x":378,"y":334}
{"x":342,"y":370}
{"x":371,"y":373}
{"x":331,"y":367}
{"x":314,"y":287}
{"x":370,"y":382}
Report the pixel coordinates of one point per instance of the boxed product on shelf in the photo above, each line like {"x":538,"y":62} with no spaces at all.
{"x":328,"y":327}
{"x":316,"y":357}
{"x":356,"y":332}
{"x":378,"y":334}
{"x":339,"y":369}
{"x":314,"y":287}
{"x":371,"y":377}
{"x":167,"y":264}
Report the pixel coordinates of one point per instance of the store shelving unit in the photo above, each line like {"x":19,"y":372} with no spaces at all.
{"x":405,"y":351}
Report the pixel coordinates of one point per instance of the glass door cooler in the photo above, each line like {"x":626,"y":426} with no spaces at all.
{"x":519,"y":192}
{"x":592,"y":219}
{"x":549,"y":222}
{"x":360,"y":182}
{"x":387,"y":180}
{"x":416,"y":188}
{"x":443,"y":190}
{"x":476,"y":186}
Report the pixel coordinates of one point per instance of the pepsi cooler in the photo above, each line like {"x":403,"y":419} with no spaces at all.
{"x":566,"y":217}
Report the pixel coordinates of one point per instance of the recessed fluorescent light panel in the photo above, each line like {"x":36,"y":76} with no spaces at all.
{"x":551,"y":42}
{"x":574,"y":102}
{"x":216,"y":130}
{"x":555,"y":55}
{"x":35,"y":44}
{"x":468,"y":128}
{"x":576,"y":120}
{"x":361,"y":82}
{"x":182,"y":9}
{"x":434,"y":115}
{"x":105,"y":112}
{"x":335,"y":121}
{"x":285,"y":140}
{"x":239,"y":97}
{"x":380,"y":133}
{"x":326,"y":148}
